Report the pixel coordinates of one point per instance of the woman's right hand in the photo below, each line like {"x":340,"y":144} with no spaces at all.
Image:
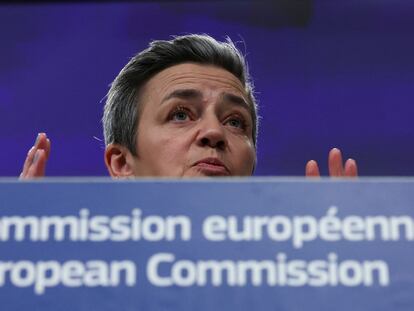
{"x":35,"y":163}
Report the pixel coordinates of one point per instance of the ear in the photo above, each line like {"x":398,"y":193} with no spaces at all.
{"x":119,"y":161}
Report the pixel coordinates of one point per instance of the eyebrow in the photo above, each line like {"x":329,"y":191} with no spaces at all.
{"x":183,"y":94}
{"x":236,"y":100}
{"x":196,"y":94}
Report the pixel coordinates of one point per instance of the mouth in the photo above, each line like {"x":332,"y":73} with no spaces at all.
{"x":212,"y":167}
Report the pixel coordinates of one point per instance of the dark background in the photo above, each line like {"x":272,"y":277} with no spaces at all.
{"x":327,"y":73}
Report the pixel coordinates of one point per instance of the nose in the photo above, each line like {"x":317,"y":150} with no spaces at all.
{"x":212,"y":134}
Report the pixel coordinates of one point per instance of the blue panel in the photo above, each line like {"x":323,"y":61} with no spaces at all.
{"x":181,"y":245}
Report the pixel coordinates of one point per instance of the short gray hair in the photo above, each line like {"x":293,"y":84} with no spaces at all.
{"x":123,"y":106}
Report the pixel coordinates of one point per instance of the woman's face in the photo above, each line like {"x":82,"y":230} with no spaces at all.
{"x":195,"y":121}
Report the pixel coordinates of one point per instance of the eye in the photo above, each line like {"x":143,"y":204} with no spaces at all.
{"x":236,"y":122}
{"x":179,"y":114}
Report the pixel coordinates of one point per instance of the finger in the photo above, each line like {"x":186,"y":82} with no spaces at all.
{"x":335,"y":163}
{"x":47,"y":148}
{"x":28,"y":161}
{"x":312,"y":169}
{"x":37,"y":169}
{"x":351,"y":168}
{"x":41,"y":141}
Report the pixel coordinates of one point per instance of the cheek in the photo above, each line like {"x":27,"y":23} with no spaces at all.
{"x":245,"y":159}
{"x":168,"y":148}
{"x":250,"y":162}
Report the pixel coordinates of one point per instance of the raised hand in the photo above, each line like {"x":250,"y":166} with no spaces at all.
{"x":336,"y":168}
{"x":35,"y":163}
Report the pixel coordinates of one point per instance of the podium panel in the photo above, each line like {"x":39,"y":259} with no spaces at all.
{"x":221,"y":244}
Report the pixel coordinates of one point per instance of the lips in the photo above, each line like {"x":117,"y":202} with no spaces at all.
{"x":212,"y":167}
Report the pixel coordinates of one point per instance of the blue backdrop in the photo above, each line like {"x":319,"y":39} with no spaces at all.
{"x":327,"y":73}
